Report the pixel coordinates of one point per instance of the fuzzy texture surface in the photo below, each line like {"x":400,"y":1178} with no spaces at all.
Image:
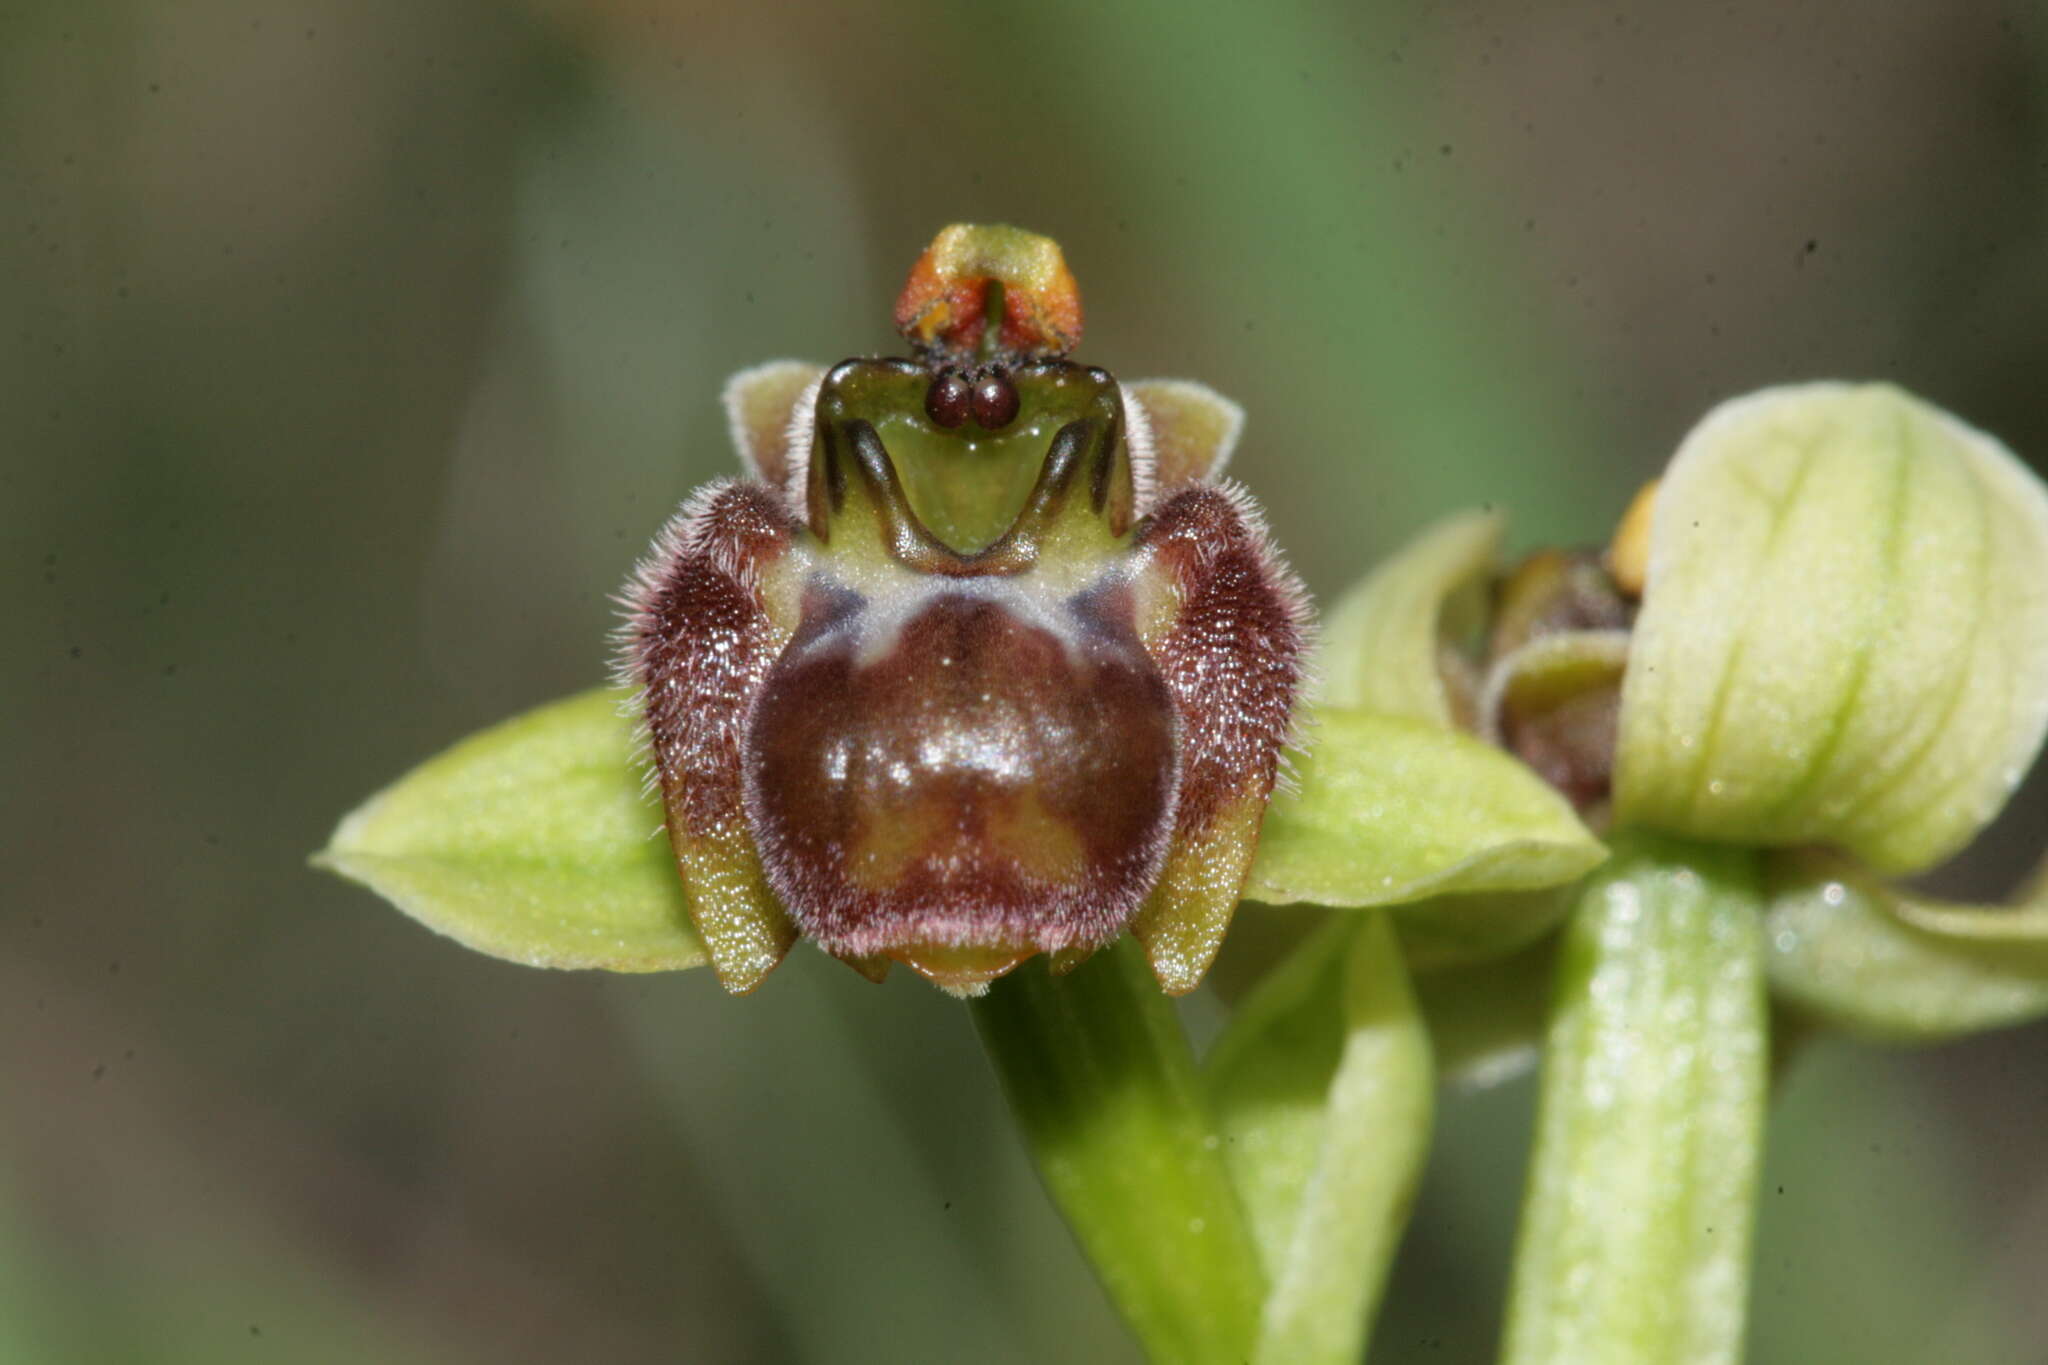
{"x":1233,"y":656}
{"x":698,"y":642}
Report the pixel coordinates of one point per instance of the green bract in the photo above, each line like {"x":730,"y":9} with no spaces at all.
{"x":1844,"y":637}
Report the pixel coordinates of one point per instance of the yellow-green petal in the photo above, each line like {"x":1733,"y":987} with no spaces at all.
{"x":1386,"y":809}
{"x":1844,"y":637}
{"x":1548,"y":672}
{"x":532,"y":841}
{"x":759,"y":405}
{"x":1382,"y":641}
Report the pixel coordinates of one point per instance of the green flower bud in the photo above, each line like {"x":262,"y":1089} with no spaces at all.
{"x":1844,"y":631}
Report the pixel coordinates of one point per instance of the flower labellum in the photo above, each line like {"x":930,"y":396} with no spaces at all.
{"x":981,"y":663}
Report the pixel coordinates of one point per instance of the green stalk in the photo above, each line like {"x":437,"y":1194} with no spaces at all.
{"x":1634,"y":1243}
{"x":1101,"y":1080}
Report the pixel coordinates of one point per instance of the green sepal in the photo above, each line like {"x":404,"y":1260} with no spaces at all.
{"x":1323,"y":1093}
{"x":1884,"y":963}
{"x":532,"y":841}
{"x":1385,"y":810}
{"x":1383,"y":642}
{"x":1634,"y":1243}
{"x":1104,"y":1089}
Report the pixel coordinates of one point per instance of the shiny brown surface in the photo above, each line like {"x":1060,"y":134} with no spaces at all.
{"x":979,"y":780}
{"x":995,"y":401}
{"x":947,"y":401}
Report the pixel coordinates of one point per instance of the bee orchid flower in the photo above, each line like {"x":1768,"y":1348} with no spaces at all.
{"x":978,"y":660}
{"x":966,"y":671}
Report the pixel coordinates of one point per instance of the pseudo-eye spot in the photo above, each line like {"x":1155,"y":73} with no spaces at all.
{"x":979,"y":662}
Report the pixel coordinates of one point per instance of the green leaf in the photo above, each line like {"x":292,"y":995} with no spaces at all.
{"x":1386,"y":810}
{"x":531,"y":841}
{"x":1634,"y":1242}
{"x":1844,"y":637}
{"x":1886,"y":964}
{"x":1099,"y":1076}
{"x":1382,"y":641}
{"x":1323,"y":1094}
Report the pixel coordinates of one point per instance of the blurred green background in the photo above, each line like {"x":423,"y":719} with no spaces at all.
{"x":353,"y":350}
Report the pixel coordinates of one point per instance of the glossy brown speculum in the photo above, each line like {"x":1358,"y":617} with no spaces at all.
{"x":952,"y":774}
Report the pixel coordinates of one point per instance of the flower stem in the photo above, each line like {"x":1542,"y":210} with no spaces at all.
{"x":1101,"y":1080}
{"x":1634,"y":1243}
